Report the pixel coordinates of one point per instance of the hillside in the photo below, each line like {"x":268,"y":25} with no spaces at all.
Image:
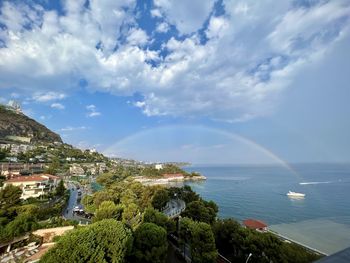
{"x":13,"y":124}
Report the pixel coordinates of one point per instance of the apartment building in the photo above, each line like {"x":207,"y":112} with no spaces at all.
{"x":35,"y":185}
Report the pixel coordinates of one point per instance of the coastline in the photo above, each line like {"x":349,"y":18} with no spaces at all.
{"x":169,"y":180}
{"x":319,"y":222}
{"x":287,"y":239}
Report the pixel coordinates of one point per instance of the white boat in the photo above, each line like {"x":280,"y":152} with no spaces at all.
{"x":295,"y":195}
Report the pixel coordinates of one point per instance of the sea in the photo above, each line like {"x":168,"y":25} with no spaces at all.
{"x":321,"y":220}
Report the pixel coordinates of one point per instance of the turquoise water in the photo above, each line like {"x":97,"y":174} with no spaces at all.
{"x":260,"y":192}
{"x":321,"y":220}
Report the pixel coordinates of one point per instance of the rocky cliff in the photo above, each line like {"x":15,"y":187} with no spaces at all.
{"x":14,"y":125}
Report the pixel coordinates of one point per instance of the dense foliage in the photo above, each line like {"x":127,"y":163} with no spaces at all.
{"x":200,"y":239}
{"x":153,"y":216}
{"x":184,"y":193}
{"x":9,"y":198}
{"x":108,"y":209}
{"x":59,"y":156}
{"x":19,"y":217}
{"x":236,"y":242}
{"x":160,"y":199}
{"x":150,"y":244}
{"x":202,"y":211}
{"x":105,"y":241}
{"x":127,"y":199}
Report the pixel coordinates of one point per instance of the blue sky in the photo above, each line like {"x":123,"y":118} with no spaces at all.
{"x":200,"y":81}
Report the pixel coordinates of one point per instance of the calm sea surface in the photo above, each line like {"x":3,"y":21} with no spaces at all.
{"x":260,"y":192}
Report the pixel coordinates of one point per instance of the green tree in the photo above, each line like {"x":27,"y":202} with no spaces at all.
{"x":3,"y":154}
{"x":2,"y":179}
{"x":29,"y":209}
{"x":54,"y":166}
{"x":200,"y":238}
{"x":106,"y":179}
{"x":10,"y":197}
{"x":160,"y":198}
{"x":128,"y":196}
{"x":153,"y":216}
{"x":22,"y":224}
{"x":150,"y":243}
{"x":100,"y":197}
{"x":88,"y":202}
{"x":108,"y":209}
{"x":295,"y":253}
{"x":229,"y":238}
{"x":185,"y":193}
{"x":132,"y":215}
{"x":60,"y":189}
{"x":236,"y":242}
{"x":105,"y":241}
{"x":201,"y":211}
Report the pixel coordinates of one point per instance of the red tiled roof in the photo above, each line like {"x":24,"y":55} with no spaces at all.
{"x":51,"y":176}
{"x":172,"y":175}
{"x":254,"y":224}
{"x":32,"y":178}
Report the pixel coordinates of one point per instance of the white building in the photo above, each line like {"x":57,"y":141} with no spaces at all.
{"x":76,"y":169}
{"x":158,"y":166}
{"x":35,"y":185}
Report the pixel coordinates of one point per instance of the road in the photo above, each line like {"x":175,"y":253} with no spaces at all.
{"x":73,"y":201}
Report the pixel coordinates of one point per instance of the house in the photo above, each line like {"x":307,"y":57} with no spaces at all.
{"x":8,"y":169}
{"x":158,"y":166}
{"x":76,"y":169}
{"x":35,"y":185}
{"x":255,"y":225}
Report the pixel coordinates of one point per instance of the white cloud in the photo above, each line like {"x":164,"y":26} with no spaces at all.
{"x":162,"y":27}
{"x":239,"y":73}
{"x":140,"y":104}
{"x":91,"y":107}
{"x":92,"y":111}
{"x":93,"y":114}
{"x":156,"y":13}
{"x":187,"y":16}
{"x":70,"y":128}
{"x":48,"y":96}
{"x":58,"y":106}
{"x":83,"y":145}
{"x":217,"y":27}
{"x":311,"y":25}
{"x":137,"y":37}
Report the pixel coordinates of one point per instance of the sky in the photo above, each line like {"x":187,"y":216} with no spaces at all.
{"x":203,"y":81}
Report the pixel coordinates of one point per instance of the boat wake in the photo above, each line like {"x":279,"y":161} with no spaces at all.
{"x":307,"y":183}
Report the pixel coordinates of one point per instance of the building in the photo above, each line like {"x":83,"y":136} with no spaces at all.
{"x":158,"y":166}
{"x":14,"y":106}
{"x":35,"y":185}
{"x":76,"y":169}
{"x":9,"y":169}
{"x":255,"y":225}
